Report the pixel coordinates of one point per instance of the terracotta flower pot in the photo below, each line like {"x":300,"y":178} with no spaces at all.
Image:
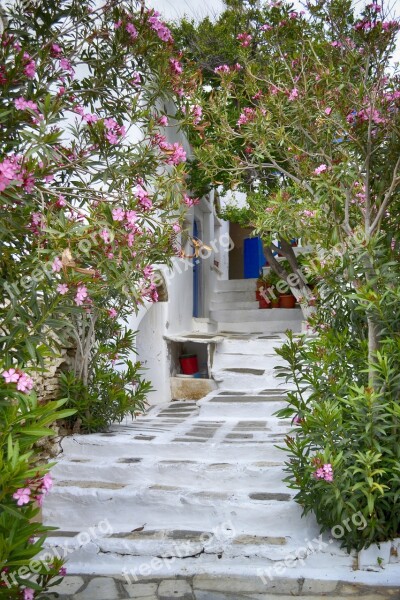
{"x":275,"y":303}
{"x":287,"y":301}
{"x":262,"y":303}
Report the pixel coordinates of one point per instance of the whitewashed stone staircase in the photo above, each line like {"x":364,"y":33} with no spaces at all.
{"x":194,"y":488}
{"x":234,"y":308}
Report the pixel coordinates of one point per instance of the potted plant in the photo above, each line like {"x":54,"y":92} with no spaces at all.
{"x":263,"y":283}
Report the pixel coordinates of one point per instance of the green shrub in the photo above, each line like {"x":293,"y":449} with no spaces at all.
{"x":23,"y":483}
{"x":344,"y":450}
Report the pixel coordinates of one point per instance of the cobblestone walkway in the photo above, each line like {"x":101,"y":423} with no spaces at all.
{"x":204,"y":587}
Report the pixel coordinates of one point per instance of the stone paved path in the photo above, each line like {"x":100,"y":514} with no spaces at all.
{"x":203,"y":587}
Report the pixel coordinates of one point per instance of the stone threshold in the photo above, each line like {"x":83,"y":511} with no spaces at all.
{"x":209,"y":587}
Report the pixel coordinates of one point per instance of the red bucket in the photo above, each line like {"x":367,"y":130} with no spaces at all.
{"x":189,"y":364}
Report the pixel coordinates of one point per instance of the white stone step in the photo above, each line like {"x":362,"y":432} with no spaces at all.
{"x":193,"y":474}
{"x":123,"y":447}
{"x":252,"y":346}
{"x":285,"y":317}
{"x":74,"y":507}
{"x":241,"y":407}
{"x":234,"y":296}
{"x":223,"y":360}
{"x":233,"y":305}
{"x":259,"y":327}
{"x":235,"y":285}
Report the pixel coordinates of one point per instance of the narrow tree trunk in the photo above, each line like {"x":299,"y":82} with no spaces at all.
{"x":301,"y":291}
{"x":373,"y":346}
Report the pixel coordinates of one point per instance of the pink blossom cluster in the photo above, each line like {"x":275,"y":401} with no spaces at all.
{"x":244,"y":38}
{"x":131,"y":29}
{"x":320,"y":169}
{"x":175,"y":66}
{"x":324,"y":472}
{"x":159,"y":27}
{"x":37,"y":223}
{"x":222,"y":69}
{"x":30,"y":66}
{"x":248,"y":115}
{"x":364,"y":115}
{"x":367,"y":26}
{"x":197,"y":113}
{"x":41,"y":488}
{"x":175,"y":154}
{"x":23,"y":381}
{"x":22,"y":104}
{"x":65,"y":65}
{"x":190,"y":201}
{"x":293,"y":94}
{"x":10,"y":171}
{"x":113,"y":131}
{"x":309,"y":213}
{"x":81,"y":295}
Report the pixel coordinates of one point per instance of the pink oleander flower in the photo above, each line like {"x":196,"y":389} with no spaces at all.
{"x":248,"y":115}
{"x":222,"y":69}
{"x":244,"y":38}
{"x":136,"y":78}
{"x":24,"y":383}
{"x":56,"y":49}
{"x":148,"y":271}
{"x":324,"y":472}
{"x":131,"y":29}
{"x":90,"y":118}
{"x":309,"y":213}
{"x":22,"y":104}
{"x":159,"y":27}
{"x":81,"y":295}
{"x":273,"y":90}
{"x":47,"y":482}
{"x":62,"y":572}
{"x":328,"y":111}
{"x":131,"y":239}
{"x":320,"y":169}
{"x":293,"y":95}
{"x":29,"y":594}
{"x":62,"y":289}
{"x":163,"y":121}
{"x":11,"y":376}
{"x":266,"y":27}
{"x":61,"y":201}
{"x":112,"y":138}
{"x":30,"y":66}
{"x":176,"y":66}
{"x":118,"y":214}
{"x":176,"y":227}
{"x":178,"y":154}
{"x":57,"y":264}
{"x":190,"y":201}
{"x":22,"y":496}
{"x":105,"y":236}
{"x":131,"y":217}
{"x":197,"y":112}
{"x":118,"y":24}
{"x":112,"y":313}
{"x":65,"y":65}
